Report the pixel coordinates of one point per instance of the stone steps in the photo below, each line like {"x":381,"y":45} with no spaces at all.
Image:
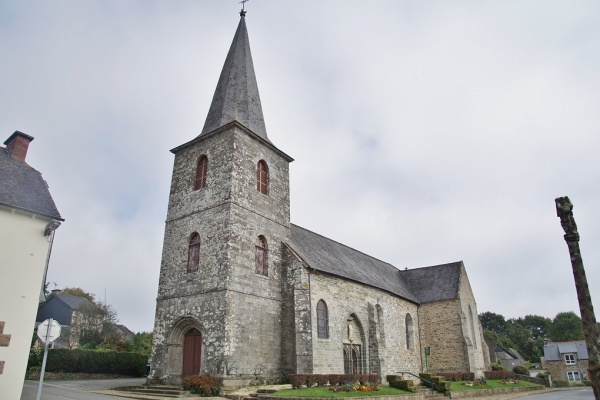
{"x":428,"y":394}
{"x":175,"y":392}
{"x":255,"y":395}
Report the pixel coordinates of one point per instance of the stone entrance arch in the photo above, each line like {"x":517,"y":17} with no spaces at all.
{"x":186,"y":334}
{"x":355,"y":356}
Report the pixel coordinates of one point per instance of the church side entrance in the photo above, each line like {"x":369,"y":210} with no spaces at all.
{"x":354,"y":338}
{"x":192,"y":349}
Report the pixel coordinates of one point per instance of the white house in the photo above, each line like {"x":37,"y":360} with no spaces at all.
{"x":28,"y":219}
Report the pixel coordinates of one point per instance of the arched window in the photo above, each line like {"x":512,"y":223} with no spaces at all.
{"x":194,"y":253}
{"x":408,"y":322}
{"x":322,"y":320}
{"x":262,"y":177}
{"x":201,"y":170}
{"x":261,"y":256}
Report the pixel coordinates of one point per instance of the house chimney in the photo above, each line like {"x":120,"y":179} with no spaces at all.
{"x":17,"y":145}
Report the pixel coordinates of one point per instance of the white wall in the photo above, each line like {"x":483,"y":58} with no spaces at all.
{"x":23,"y":254}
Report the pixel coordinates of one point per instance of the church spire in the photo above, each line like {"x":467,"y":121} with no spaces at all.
{"x":236,"y":97}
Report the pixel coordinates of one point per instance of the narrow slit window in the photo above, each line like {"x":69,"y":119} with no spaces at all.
{"x":261,"y":256}
{"x":194,"y":253}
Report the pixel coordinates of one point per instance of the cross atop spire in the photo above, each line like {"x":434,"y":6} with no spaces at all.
{"x":243,"y":12}
{"x":236,"y":97}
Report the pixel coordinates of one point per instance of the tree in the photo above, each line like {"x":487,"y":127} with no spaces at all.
{"x":493,"y":322}
{"x":538,"y":326}
{"x":566,"y":326}
{"x":79,"y":292}
{"x":141,"y":343}
{"x":517,"y":334}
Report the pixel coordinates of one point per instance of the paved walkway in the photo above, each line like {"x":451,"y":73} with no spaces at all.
{"x":509,"y":396}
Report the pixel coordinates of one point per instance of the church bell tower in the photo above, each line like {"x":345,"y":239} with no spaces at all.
{"x":218,"y":307}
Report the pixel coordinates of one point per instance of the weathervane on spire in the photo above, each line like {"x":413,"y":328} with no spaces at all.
{"x":243,"y":12}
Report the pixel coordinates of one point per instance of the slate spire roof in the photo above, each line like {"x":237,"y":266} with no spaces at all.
{"x":236,"y":97}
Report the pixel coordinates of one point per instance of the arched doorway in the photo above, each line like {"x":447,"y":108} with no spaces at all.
{"x":192,"y":350}
{"x":353,"y":342}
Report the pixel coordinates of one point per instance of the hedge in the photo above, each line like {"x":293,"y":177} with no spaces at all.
{"x":499,"y":375}
{"x":96,"y":362}
{"x":457,"y":376}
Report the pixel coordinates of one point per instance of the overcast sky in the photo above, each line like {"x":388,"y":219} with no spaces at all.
{"x":423,"y":132}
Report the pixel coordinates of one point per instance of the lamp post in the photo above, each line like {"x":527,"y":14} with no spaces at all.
{"x":564,"y":210}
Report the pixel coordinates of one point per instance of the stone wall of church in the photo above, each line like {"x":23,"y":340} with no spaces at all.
{"x":296,"y":332}
{"x":472,"y":329}
{"x":380,"y":321}
{"x":452,"y":330}
{"x":441,"y":330}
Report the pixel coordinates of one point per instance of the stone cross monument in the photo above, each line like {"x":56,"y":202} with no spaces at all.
{"x":564,"y":210}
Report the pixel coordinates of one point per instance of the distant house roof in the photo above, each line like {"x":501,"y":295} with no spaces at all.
{"x":124,"y":331}
{"x":23,"y":188}
{"x":421,"y":285}
{"x":554,"y":351}
{"x":74,"y":302}
{"x":60,"y":306}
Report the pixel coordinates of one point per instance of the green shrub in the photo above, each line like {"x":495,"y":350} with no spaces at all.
{"x":560,"y":383}
{"x":205,"y":385}
{"x":397,"y":382}
{"x":587,"y":383}
{"x":498,"y":367}
{"x":521,"y":370}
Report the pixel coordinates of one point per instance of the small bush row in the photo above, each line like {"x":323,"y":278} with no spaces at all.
{"x":205,"y":385}
{"x":310,"y":380}
{"x":96,"y":362}
{"x":499,"y":374}
{"x":457,"y":376}
{"x":521,"y":370}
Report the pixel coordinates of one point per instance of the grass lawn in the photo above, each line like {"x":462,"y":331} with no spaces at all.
{"x":321,"y":392}
{"x":491,"y":384}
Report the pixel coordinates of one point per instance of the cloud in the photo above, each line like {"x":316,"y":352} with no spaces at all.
{"x":423,"y":133}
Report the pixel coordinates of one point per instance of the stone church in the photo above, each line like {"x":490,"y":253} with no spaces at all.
{"x":245,"y":294}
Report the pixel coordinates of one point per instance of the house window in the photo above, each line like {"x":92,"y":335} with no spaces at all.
{"x":322,"y":320}
{"x":201,"y":170}
{"x":262,"y":177}
{"x":194,"y":253}
{"x":573,"y":376}
{"x":408,"y":322}
{"x":261,"y":256}
{"x":570,"y":359}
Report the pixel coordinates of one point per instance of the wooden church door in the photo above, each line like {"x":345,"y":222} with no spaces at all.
{"x":192,"y":347}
